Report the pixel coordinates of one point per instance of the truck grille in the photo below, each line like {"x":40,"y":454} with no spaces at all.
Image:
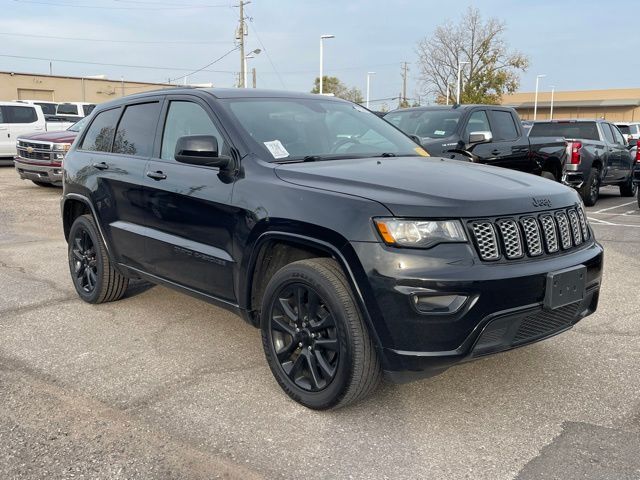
{"x":530,"y":235}
{"x":39,"y":151}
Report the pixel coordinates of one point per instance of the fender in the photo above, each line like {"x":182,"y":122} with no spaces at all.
{"x":321,"y":245}
{"x":87,"y":202}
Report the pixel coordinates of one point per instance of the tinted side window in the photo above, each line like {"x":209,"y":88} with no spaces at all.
{"x":20,"y":114}
{"x":48,"y":108}
{"x":186,"y":118}
{"x":67,"y":109}
{"x":99,"y":137}
{"x":478,"y":122}
{"x":618,"y":136}
{"x":607,"y":132}
{"x":136,"y":129}
{"x":504,"y":128}
{"x":88,"y":109}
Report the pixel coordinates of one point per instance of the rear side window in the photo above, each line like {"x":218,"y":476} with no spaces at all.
{"x":183,"y":119}
{"x":67,"y":109}
{"x":99,"y":137}
{"x":504,"y":128}
{"x":571,"y":130}
{"x":607,"y":132}
{"x":48,"y":108}
{"x":88,"y":109}
{"x":136,"y":129}
{"x":13,"y":114}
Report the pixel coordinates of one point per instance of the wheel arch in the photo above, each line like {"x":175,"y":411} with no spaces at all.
{"x":553,"y":165}
{"x":74,"y":205}
{"x":307,"y":247}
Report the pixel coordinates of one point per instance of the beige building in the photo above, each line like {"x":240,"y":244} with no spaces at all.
{"x":27,"y":86}
{"x":615,"y":104}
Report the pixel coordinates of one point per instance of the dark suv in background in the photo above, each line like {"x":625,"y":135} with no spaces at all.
{"x":329,"y":229}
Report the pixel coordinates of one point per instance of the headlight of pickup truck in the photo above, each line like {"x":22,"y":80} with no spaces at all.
{"x":419,"y":233}
{"x":61,"y":147}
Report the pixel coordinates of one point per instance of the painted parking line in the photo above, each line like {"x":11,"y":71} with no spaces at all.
{"x":614,"y":207}
{"x":598,"y":221}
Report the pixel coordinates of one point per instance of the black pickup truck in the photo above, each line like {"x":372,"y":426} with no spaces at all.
{"x":598,"y":155}
{"x":483,"y":134}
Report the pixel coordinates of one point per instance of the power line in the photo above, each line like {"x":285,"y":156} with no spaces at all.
{"x":149,"y":42}
{"x":145,"y":67}
{"x":205,"y":67}
{"x":264,"y":49}
{"x":110,"y":7}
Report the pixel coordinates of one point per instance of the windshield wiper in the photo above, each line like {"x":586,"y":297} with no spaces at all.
{"x":387,"y":154}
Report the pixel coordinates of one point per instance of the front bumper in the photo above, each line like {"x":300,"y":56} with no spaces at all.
{"x":504,"y":309}
{"x":46,"y":173}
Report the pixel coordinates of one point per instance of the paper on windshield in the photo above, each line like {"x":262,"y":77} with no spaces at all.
{"x":277,"y":149}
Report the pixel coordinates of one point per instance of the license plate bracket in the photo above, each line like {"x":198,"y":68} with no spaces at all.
{"x":565,"y":286}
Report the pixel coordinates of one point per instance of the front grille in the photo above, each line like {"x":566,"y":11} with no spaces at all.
{"x":530,"y":235}
{"x":39,"y":151}
{"x":545,"y":322}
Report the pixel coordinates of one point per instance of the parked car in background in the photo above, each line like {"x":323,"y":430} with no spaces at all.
{"x":48,"y":108}
{"x":74,"y":110}
{"x":40,"y":155}
{"x":326,"y":227}
{"x":630,"y":131}
{"x":598,"y":155}
{"x":17,"y":119}
{"x":482,"y":134}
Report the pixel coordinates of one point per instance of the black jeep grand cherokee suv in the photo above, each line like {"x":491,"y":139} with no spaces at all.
{"x":326,"y":227}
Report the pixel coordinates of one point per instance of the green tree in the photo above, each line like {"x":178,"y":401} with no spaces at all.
{"x":492,"y":70}
{"x":339,"y":89}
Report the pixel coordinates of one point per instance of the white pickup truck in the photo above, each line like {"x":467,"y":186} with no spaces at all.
{"x":16,"y":119}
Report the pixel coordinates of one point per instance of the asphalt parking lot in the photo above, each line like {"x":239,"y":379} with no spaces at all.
{"x":160,"y":385}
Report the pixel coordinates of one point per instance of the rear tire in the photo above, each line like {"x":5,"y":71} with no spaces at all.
{"x":590,"y":190}
{"x":548,"y":175}
{"x":314,"y":336}
{"x":628,"y":188}
{"x":92,"y":273}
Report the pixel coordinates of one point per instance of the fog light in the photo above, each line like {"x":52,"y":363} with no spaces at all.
{"x":439,"y":303}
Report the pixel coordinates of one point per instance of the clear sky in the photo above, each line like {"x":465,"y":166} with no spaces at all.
{"x":578,"y":44}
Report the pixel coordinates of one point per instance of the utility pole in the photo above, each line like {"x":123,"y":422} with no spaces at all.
{"x":240,"y":38}
{"x":253,"y":72}
{"x":405,"y":69}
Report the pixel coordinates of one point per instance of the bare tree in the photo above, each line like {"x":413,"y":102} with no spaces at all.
{"x":492,"y":70}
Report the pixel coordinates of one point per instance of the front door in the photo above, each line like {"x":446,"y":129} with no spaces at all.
{"x":190,"y":220}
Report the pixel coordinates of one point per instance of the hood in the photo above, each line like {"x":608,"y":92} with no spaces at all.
{"x":63,"y":136}
{"x":432,"y":187}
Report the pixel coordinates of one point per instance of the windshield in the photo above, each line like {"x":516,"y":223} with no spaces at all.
{"x":299,"y":128}
{"x":48,"y":108}
{"x":78,"y":126}
{"x":426,"y":123}
{"x":580,"y":130}
{"x":67,"y":109}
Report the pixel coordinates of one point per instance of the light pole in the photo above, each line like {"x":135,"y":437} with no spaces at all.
{"x":553,"y":89}
{"x":246,"y":57}
{"x":322,"y":38}
{"x":459,"y":81}
{"x":535,"y":103}
{"x":447,"y":94}
{"x":368,"y":85}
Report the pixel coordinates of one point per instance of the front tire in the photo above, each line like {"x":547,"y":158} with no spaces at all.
{"x":314,"y":337}
{"x":93,"y":275}
{"x":628,"y":188}
{"x":590,"y":190}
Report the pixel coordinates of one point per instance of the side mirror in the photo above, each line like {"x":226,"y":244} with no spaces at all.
{"x":200,"y":150}
{"x":480,"y":137}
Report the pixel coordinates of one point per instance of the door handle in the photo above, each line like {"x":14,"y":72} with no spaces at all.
{"x":156,"y":175}
{"x":100,"y":166}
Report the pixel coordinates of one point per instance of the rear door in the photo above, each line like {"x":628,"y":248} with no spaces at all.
{"x":190,"y":221}
{"x":625,"y":164}
{"x":614,"y":157}
{"x":7,"y":148}
{"x":116,"y":147}
{"x":23,"y":120}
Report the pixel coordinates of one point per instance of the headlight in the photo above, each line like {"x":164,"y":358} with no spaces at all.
{"x":61,"y":147}
{"x":419,"y":233}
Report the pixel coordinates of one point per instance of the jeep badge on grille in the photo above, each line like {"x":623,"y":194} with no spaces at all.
{"x":541,"y":202}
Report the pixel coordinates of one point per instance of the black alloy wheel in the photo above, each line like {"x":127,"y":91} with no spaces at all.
{"x":304,"y":336}
{"x":85,"y":267}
